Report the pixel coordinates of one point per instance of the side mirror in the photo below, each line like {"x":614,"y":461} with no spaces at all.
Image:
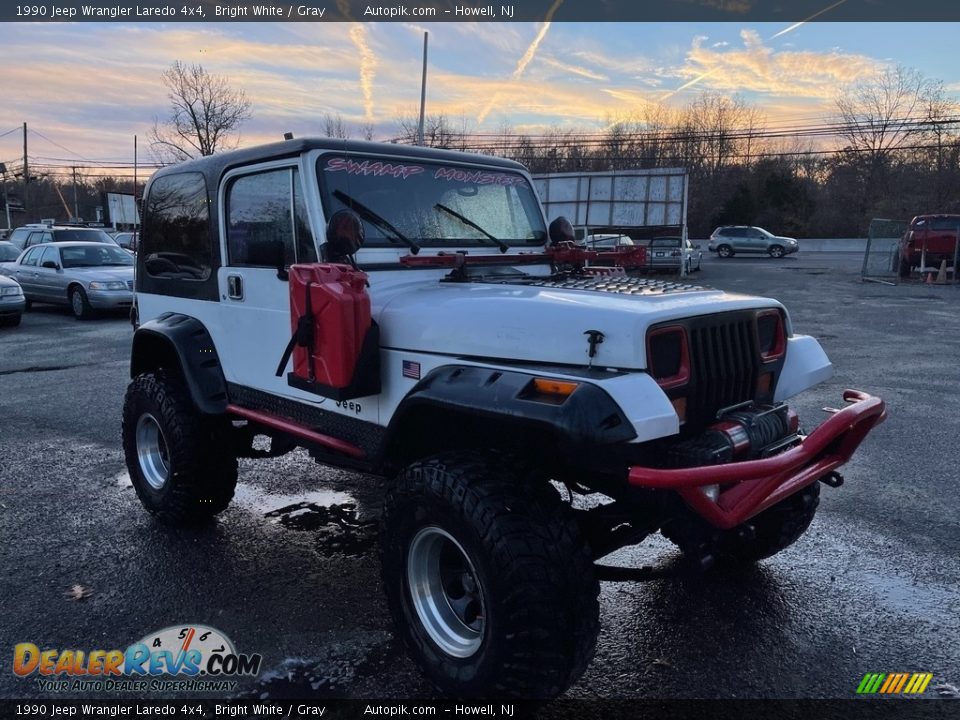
{"x":344,"y":236}
{"x":561,"y":231}
{"x":50,"y":264}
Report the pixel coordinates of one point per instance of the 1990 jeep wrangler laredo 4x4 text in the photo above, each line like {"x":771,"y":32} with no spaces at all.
{"x":480,"y":363}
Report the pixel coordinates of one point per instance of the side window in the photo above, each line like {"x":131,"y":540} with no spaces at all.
{"x":35,"y":238}
{"x":19,"y":237}
{"x":31,"y":257}
{"x":50,"y":254}
{"x":176,"y":234}
{"x":945,"y":224}
{"x":263,"y":210}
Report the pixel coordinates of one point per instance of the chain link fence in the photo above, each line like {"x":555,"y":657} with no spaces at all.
{"x":881,"y":259}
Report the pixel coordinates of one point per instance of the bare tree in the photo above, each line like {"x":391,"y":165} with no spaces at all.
{"x":335,"y":127}
{"x":368,"y":131}
{"x":205,"y":114}
{"x":439,"y":131}
{"x":880,"y":113}
{"x":718,"y":129}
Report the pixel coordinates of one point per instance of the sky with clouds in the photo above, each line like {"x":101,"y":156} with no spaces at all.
{"x":88,"y":88}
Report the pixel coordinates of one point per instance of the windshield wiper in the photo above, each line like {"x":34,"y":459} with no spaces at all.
{"x":370,"y":216}
{"x":467,"y":221}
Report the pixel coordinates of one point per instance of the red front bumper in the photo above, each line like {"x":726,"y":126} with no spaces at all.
{"x":751,"y":486}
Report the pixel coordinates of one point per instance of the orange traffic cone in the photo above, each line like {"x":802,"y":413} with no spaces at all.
{"x":942,"y":273}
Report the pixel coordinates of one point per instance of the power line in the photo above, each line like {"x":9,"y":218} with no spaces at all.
{"x":54,"y":142}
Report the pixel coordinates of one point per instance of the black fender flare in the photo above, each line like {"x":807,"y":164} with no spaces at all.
{"x":583,"y":421}
{"x":181,"y":342}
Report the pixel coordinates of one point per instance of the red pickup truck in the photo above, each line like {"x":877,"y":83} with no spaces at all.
{"x":935,"y":234}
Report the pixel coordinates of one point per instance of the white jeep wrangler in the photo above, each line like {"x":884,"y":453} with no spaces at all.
{"x":428,"y":328}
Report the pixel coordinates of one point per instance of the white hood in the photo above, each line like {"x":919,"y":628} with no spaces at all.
{"x":536,"y":323}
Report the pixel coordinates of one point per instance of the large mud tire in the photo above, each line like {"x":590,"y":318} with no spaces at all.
{"x":520,"y":616}
{"x":182,"y":463}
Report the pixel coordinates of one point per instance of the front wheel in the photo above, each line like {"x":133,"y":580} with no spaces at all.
{"x":79,"y":303}
{"x":181,"y":463}
{"x":487,"y":577}
{"x":775,"y":251}
{"x":725,"y":251}
{"x":904,"y":268}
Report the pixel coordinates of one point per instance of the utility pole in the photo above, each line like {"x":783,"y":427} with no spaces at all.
{"x":423,"y":90}
{"x":26,"y":175}
{"x":6,"y":198}
{"x":76,"y":210}
{"x":136,"y":206}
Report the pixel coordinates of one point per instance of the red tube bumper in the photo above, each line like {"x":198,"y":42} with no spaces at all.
{"x":754,"y":485}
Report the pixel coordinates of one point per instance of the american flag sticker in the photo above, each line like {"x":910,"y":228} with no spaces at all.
{"x":411,"y":369}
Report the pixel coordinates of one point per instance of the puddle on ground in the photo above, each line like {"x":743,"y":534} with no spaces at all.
{"x":256,"y":499}
{"x":905,"y":595}
{"x":331,"y":515}
{"x":331,"y":675}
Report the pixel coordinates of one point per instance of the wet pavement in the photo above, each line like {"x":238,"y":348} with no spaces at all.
{"x":291,"y":571}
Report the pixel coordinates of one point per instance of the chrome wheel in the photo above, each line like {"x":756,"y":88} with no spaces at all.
{"x":776,"y":251}
{"x":724,"y":251}
{"x":446,"y":592}
{"x":152,"y":452}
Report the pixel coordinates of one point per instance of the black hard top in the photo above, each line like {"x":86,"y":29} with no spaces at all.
{"x":214,"y":166}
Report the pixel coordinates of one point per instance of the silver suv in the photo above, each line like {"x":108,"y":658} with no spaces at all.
{"x":728,"y":240}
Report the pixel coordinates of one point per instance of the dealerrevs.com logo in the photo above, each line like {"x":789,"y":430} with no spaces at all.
{"x":194,"y":658}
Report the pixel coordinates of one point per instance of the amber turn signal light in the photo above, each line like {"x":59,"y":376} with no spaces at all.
{"x":554,"y":387}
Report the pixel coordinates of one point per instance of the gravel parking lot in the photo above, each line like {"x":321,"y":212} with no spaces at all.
{"x":291,"y":569}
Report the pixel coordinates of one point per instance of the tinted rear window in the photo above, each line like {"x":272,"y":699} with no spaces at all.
{"x":176,"y":232}
{"x":90,"y":235}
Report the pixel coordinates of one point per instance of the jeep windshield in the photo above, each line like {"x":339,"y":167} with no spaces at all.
{"x":432,"y":204}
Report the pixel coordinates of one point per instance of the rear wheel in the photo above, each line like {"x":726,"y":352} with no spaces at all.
{"x":181,"y":463}
{"x":776,"y":251}
{"x":725,"y":251}
{"x":488,"y":578}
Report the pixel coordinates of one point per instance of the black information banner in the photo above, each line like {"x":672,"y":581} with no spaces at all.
{"x":479,"y":10}
{"x":179,"y":709}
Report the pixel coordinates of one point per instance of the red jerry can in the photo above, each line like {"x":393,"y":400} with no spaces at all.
{"x":335,"y":345}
